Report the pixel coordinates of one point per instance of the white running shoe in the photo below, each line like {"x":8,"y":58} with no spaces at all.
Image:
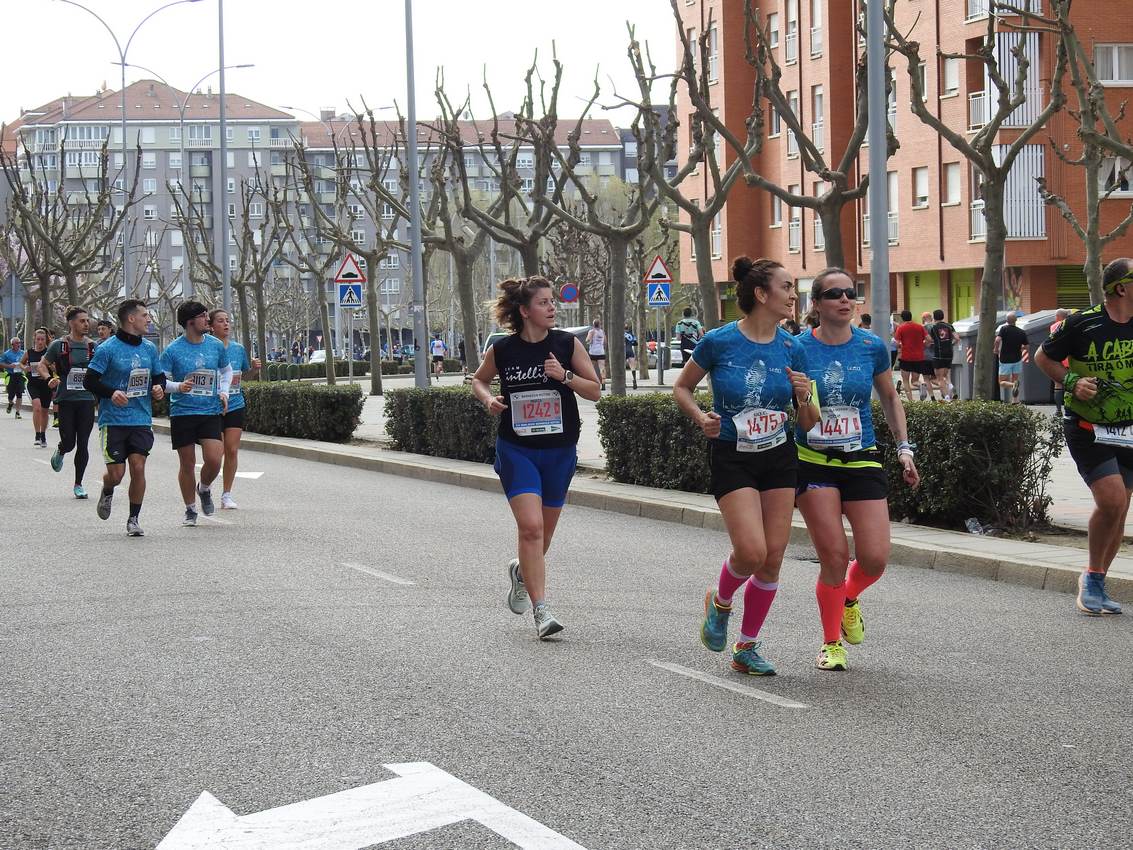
{"x":226,"y":502}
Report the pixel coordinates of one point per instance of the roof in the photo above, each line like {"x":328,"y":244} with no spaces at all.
{"x":316,"y":134}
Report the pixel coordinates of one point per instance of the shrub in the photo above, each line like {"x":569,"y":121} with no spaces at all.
{"x":306,"y":411}
{"x":292,"y":371}
{"x":648,"y":441}
{"x":443,"y":422}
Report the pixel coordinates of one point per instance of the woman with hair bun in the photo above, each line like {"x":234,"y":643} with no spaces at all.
{"x":540,"y":369}
{"x":758,"y":373}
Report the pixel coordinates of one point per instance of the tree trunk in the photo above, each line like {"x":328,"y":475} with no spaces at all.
{"x":373,"y":318}
{"x":465,"y":282}
{"x":1093,"y":264}
{"x":529,"y":255}
{"x":45,"y":301}
{"x":261,"y":321}
{"x":245,"y":325}
{"x":709,"y":294}
{"x":72,"y":288}
{"x":991,"y":288}
{"x":324,"y":320}
{"x":616,"y":308}
{"x":832,"y":234}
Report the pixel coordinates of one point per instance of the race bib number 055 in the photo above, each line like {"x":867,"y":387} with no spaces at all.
{"x":536,"y":412}
{"x":203,"y":380}
{"x":759,"y":429}
{"x":138,"y":383}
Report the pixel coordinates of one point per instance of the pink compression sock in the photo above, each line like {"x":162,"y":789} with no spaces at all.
{"x":831,"y":601}
{"x":730,"y":582}
{"x":858,"y":580}
{"x":758,"y":596}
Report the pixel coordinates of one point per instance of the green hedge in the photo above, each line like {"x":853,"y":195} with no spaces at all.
{"x":306,"y":411}
{"x":441,"y":421}
{"x":976,"y":459}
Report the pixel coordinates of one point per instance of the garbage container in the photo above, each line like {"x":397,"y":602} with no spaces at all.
{"x":963,"y":372}
{"x":1034,"y":386}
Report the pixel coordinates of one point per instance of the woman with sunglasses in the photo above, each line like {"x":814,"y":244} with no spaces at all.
{"x":758,"y":372}
{"x":840,"y":469}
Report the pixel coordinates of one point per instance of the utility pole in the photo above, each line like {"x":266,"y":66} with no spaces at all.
{"x":417,"y":308}
{"x":878,"y":180}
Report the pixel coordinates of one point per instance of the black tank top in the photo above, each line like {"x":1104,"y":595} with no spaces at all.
{"x":33,"y":358}
{"x":520,"y":365}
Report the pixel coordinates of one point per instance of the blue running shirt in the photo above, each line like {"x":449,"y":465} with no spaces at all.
{"x":750,"y":378}
{"x":129,"y":368}
{"x":843,"y":375}
{"x":205,"y":361}
{"x":238,"y":360}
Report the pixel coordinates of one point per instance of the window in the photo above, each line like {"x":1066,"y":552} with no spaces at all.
{"x":922,"y":80}
{"x":200,"y":159}
{"x":390,"y":285}
{"x":149,"y":159}
{"x":525,"y":160}
{"x":773,"y":29}
{"x":1114,"y":63}
{"x":776,"y":126}
{"x":584,"y":158}
{"x":358,"y":237}
{"x":951,"y":77}
{"x":175,"y":160}
{"x":253,"y":159}
{"x":230,"y":185}
{"x":200,"y":132}
{"x":152,"y":238}
{"x":117,"y":160}
{"x":254,"y":135}
{"x":694,"y":46}
{"x":228,"y":134}
{"x":776,"y":211}
{"x":717,"y":234}
{"x":175,"y":133}
{"x":713,"y":53}
{"x":631,"y":177}
{"x":355,"y":210}
{"x":149,"y":136}
{"x":393,"y":261}
{"x":149,"y":185}
{"x":256,"y":209}
{"x":232,"y":264}
{"x":527,"y":184}
{"x":1114,"y":176}
{"x":387,"y":210}
{"x":390,"y":185}
{"x":176,"y":239}
{"x":920,"y":187}
{"x":149,"y":213}
{"x":232,"y":210}
{"x":177,"y":261}
{"x":951,"y":183}
{"x":631,"y":149}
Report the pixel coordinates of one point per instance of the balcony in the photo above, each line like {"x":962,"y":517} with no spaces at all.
{"x":472,"y":169}
{"x":200,"y":171}
{"x":791,"y":48}
{"x":278,"y":169}
{"x":818,"y":135}
{"x":792,"y":145}
{"x":978,"y":223}
{"x":819,"y":236}
{"x":977,"y":10}
{"x":606,"y":169}
{"x":83,"y":144}
{"x":979,"y":110}
{"x":277,"y":142}
{"x":894,"y":229}
{"x":199,"y":143}
{"x":794,"y":235}
{"x":816,"y":41}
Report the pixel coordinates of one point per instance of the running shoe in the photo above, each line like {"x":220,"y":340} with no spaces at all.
{"x":853,"y":627}
{"x":746,"y":659}
{"x":18,"y":414}
{"x":1091,"y":588}
{"x":517,"y":599}
{"x":832,"y":656}
{"x":56,"y":460}
{"x":206,"y":501}
{"x":9,"y":407}
{"x":1015,"y":392}
{"x":227,"y":503}
{"x":133,"y":529}
{"x":55,"y":422}
{"x":103,"y":507}
{"x":714,"y":629}
{"x":545,"y":622}
{"x":190,"y":517}
{"x":80,"y":493}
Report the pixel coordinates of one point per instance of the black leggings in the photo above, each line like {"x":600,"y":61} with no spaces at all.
{"x":76,"y":420}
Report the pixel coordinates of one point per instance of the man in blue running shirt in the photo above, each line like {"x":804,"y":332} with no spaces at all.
{"x":124,"y":373}
{"x":200,"y":375}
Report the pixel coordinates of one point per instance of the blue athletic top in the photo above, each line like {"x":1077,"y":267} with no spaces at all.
{"x":115,"y":360}
{"x":843,"y":375}
{"x":11,"y":356}
{"x":206,"y":358}
{"x":746,"y":374}
{"x":238,"y":360}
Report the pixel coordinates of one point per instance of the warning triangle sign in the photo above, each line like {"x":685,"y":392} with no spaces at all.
{"x":349,"y":272}
{"x":350,"y":297}
{"x":658,"y":272}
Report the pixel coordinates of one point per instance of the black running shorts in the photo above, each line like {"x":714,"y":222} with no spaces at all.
{"x":187,"y":430}
{"x":39,"y":388}
{"x":731,"y":469}
{"x":854,"y":484}
{"x":235,"y":419}
{"x":120,"y":441}
{"x":1096,"y":460}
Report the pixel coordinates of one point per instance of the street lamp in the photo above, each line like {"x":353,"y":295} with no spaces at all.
{"x":122,"y":51}
{"x":420,"y":370}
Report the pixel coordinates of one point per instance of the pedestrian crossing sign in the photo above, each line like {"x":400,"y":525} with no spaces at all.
{"x":658,"y":294}
{"x":350,"y":295}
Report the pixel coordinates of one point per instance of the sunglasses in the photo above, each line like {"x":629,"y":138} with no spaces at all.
{"x":836,"y":294}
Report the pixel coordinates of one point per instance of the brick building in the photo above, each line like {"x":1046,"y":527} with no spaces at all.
{"x":936,"y":227}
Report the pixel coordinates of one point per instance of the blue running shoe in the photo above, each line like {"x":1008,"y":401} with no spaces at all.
{"x":746,"y":659}
{"x":1109,"y":606}
{"x":1091,"y":592}
{"x":80,"y":492}
{"x":714,"y":629}
{"x":56,"y":460}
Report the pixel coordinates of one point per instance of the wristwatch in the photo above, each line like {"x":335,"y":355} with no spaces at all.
{"x":568,"y":377}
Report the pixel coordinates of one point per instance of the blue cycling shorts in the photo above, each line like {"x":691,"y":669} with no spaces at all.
{"x":545,"y":472}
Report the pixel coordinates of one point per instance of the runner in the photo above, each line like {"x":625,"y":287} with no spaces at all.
{"x":1099,"y":413}
{"x":105,"y":329}
{"x":65,"y":364}
{"x":438,"y":348}
{"x":197,"y":366}
{"x":911,"y":337}
{"x":1057,"y":388}
{"x":596,"y":348}
{"x":124,"y":373}
{"x":689,"y":330}
{"x":38,"y":388}
{"x":631,"y":354}
{"x":757,"y":372}
{"x":233,"y":421}
{"x":13,"y":367}
{"x":1010,"y":345}
{"x":943,"y":338}
{"x":840,"y":470}
{"x":540,"y":370}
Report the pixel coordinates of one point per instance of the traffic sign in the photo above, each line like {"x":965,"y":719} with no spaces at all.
{"x":568,"y":293}
{"x":658,"y":272}
{"x":658,"y":294}
{"x":350,"y":295}
{"x":350,"y":272}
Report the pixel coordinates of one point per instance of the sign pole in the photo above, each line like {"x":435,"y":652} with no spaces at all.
{"x":350,"y":348}
{"x":661,"y":349}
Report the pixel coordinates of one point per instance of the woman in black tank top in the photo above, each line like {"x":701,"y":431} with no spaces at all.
{"x":540,"y":369}
{"x":38,"y":388}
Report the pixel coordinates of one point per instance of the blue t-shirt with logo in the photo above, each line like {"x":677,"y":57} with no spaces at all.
{"x":843,"y":375}
{"x":204,"y":361}
{"x":748,"y":375}
{"x":238,"y":360}
{"x":128,"y":368}
{"x":11,"y":356}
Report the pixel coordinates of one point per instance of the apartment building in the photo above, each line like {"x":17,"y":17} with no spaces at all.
{"x":936,"y":226}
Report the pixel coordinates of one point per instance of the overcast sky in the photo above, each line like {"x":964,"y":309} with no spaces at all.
{"x":319,"y":53}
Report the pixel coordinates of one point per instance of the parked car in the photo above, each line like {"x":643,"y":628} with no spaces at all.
{"x":318,"y":356}
{"x":579,"y":333}
{"x":676,"y":357}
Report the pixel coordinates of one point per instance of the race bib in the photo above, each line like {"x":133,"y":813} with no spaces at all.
{"x":138,"y":383}
{"x":234,"y":387}
{"x":839,"y":429}
{"x":16,"y":368}
{"x":1114,"y":435}
{"x":759,"y":429}
{"x":536,"y":412}
{"x":75,"y":379}
{"x":203,"y":381}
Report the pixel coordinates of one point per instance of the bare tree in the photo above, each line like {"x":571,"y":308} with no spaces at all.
{"x":29,"y":259}
{"x":991,"y":158}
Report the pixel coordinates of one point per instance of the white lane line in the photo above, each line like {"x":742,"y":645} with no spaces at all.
{"x":252,"y":475}
{"x":766,"y":696}
{"x":379,"y":574}
{"x":44,"y":462}
{"x":217,"y":520}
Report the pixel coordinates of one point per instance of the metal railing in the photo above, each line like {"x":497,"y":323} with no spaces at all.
{"x":791,"y":47}
{"x":279,"y":142}
{"x":794,"y":235}
{"x":819,"y":236}
{"x":792,"y":144}
{"x":977,"y":9}
{"x":199,"y":143}
{"x":978,"y":223}
{"x":894,"y":229}
{"x":816,"y":41}
{"x":818,"y":135}
{"x":979,"y":109}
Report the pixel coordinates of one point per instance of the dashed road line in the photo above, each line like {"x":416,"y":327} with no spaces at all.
{"x":379,"y":574}
{"x":689,"y":673}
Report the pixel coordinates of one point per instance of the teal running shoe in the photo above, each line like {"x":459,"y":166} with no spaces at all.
{"x":80,"y":493}
{"x":714,"y":629}
{"x":1091,"y":589}
{"x":746,"y":659}
{"x":56,"y":460}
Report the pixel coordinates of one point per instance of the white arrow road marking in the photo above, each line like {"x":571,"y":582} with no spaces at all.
{"x":422,"y":798}
{"x":252,"y":475}
{"x":688,"y":672}
{"x":379,"y":574}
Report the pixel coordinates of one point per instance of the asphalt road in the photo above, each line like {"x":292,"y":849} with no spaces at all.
{"x":245,"y":659}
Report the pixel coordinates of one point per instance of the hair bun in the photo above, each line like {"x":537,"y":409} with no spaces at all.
{"x":740,"y":268}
